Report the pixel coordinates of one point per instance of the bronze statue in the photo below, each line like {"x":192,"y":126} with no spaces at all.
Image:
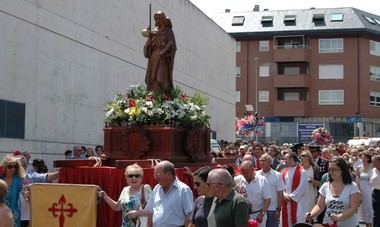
{"x":160,"y":50}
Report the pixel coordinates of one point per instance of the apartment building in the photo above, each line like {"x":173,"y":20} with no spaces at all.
{"x":308,"y":68}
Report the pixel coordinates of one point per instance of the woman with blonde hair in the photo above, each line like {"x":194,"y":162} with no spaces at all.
{"x":132,"y":199}
{"x":313,"y":177}
{"x":13,"y":175}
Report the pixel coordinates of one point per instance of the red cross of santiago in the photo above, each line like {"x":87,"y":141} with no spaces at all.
{"x":69,"y":209}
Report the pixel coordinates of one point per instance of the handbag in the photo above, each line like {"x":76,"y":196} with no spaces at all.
{"x":142,"y":221}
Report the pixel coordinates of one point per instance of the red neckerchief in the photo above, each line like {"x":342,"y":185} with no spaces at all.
{"x":293,"y":204}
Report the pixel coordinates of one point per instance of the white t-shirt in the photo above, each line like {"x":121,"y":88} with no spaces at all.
{"x":257,"y":190}
{"x":275,"y":185}
{"x":336,"y":205}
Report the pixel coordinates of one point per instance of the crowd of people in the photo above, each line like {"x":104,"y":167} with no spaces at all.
{"x":268,"y":185}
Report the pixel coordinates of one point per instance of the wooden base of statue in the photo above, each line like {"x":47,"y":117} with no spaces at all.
{"x":175,"y":144}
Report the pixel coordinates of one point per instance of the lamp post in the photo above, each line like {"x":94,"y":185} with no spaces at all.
{"x":256,"y":90}
{"x":256,"y":85}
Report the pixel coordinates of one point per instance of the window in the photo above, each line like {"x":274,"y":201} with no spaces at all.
{"x":237,"y":96}
{"x":264,"y":45}
{"x":331,"y":71}
{"x":331,"y":97}
{"x":374,"y":73}
{"x":267,"y":21}
{"x":319,"y":20}
{"x":377,"y":21}
{"x":292,"y":70}
{"x":264,"y":71}
{"x":237,"y":71}
{"x":331,"y":45}
{"x":374,"y":98}
{"x":290,"y":20}
{"x":369,"y":19}
{"x":12,"y":119}
{"x":238,"y":21}
{"x":336,"y":17}
{"x":292,"y":96}
{"x":263,"y":96}
{"x":374,"y":48}
{"x":238,"y":46}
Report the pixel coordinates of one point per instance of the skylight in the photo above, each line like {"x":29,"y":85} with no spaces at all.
{"x":267,"y":21}
{"x":290,"y":20}
{"x":377,"y":21}
{"x":369,"y":19}
{"x":336,"y":17}
{"x":319,"y":20}
{"x":238,"y":21}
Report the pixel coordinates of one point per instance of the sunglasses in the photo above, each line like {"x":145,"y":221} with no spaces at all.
{"x":134,"y":175}
{"x":11,"y":166}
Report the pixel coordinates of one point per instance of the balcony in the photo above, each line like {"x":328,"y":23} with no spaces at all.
{"x":290,"y":108}
{"x":294,"y":53}
{"x":284,"y":81}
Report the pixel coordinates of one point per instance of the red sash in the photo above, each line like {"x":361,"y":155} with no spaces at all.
{"x":293,"y":205}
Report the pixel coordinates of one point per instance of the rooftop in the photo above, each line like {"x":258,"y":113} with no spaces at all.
{"x":287,"y":22}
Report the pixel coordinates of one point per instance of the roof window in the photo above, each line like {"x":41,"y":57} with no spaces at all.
{"x":319,"y":20}
{"x":267,"y":21}
{"x":238,"y":21}
{"x":377,"y":21}
{"x":290,"y":20}
{"x":336,"y":17}
{"x":369,"y":19}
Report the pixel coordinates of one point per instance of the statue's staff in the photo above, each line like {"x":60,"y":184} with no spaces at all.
{"x":146,"y":32}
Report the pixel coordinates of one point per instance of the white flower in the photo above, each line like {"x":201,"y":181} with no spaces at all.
{"x":127,"y":110}
{"x":110,"y":112}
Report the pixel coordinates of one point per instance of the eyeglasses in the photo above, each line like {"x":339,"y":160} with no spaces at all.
{"x":134,"y":175}
{"x":11,"y":166}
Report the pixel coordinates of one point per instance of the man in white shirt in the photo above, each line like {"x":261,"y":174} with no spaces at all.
{"x":276,"y":186}
{"x":256,"y":190}
{"x":375,"y":182}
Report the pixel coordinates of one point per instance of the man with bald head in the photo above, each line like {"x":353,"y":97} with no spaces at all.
{"x":256,"y":189}
{"x":229,"y":208}
{"x":171,"y":202}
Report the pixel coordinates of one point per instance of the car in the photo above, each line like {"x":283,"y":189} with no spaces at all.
{"x":214,"y":146}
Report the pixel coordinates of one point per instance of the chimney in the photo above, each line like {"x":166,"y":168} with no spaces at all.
{"x":312,"y":7}
{"x":257,"y":8}
{"x":265,"y":9}
{"x":227,"y":10}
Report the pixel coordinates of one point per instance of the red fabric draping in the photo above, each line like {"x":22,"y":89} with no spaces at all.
{"x":112,"y":181}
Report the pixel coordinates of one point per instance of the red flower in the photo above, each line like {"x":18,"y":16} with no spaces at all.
{"x":132,"y":103}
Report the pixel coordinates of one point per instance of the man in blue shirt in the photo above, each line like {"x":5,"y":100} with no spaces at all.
{"x":171,"y":202}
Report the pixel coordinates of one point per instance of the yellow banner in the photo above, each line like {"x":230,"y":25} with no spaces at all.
{"x":63,"y":205}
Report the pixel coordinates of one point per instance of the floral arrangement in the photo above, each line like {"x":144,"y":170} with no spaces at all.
{"x":140,"y":106}
{"x":250,"y":124}
{"x":321,"y":136}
